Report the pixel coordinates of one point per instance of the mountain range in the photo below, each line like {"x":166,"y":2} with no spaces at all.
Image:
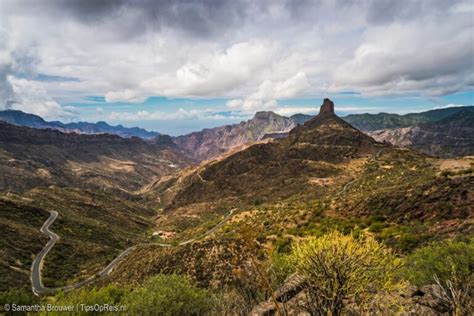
{"x":40,"y":157}
{"x":30,"y":120}
{"x":210,"y":143}
{"x":372,"y":122}
{"x":413,"y":129}
{"x":450,"y":136}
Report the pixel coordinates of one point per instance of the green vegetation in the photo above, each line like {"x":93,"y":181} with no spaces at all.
{"x":111,"y":295}
{"x":280,"y":268}
{"x":159,"y":295}
{"x":18,"y":297}
{"x":450,"y":265}
{"x":343,"y":273}
{"x":169,"y":295}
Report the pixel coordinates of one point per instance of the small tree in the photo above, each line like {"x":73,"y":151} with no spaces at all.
{"x":343,"y":273}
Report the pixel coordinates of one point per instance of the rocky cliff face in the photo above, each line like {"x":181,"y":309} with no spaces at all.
{"x":210,"y":143}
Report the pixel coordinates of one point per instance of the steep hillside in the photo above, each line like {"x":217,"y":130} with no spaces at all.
{"x":451,"y":136}
{"x":93,"y":226}
{"x":210,"y":143}
{"x":41,"y":157}
{"x":280,"y":168}
{"x":30,"y":120}
{"x":372,"y":122}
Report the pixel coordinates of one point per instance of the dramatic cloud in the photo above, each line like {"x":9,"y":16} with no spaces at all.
{"x":253,"y":53}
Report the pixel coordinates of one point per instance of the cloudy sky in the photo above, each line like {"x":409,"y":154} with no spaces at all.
{"x":182,"y":65}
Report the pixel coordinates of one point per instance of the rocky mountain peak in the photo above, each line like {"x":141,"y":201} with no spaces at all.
{"x":326,"y":114}
{"x":327,"y":107}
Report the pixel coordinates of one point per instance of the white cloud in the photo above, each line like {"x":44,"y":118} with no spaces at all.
{"x":267,"y":94}
{"x":126,"y":95}
{"x":31,"y":97}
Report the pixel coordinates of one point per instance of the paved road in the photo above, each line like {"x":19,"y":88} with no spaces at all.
{"x":36,"y":283}
{"x":38,"y":287}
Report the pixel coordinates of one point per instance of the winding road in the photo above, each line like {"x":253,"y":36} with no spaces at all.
{"x":37,"y":286}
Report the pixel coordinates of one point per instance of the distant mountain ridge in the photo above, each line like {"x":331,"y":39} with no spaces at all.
{"x":34,"y":121}
{"x":372,"y":122}
{"x":450,"y":136}
{"x":400,"y":130}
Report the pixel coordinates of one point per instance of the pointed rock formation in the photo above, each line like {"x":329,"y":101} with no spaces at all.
{"x":327,"y":107}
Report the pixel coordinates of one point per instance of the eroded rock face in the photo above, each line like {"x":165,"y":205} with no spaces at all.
{"x":210,"y":143}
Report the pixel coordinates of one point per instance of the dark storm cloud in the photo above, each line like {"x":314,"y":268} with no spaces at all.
{"x":202,"y":18}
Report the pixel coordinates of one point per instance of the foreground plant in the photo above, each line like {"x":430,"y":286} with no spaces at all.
{"x":346,"y":274}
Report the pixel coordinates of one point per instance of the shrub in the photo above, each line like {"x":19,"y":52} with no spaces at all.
{"x":18,"y":297}
{"x":111,"y":295}
{"x":450,"y":265}
{"x":169,"y":295}
{"x":343,"y":273}
{"x":280,"y":268}
{"x":377,"y":227}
